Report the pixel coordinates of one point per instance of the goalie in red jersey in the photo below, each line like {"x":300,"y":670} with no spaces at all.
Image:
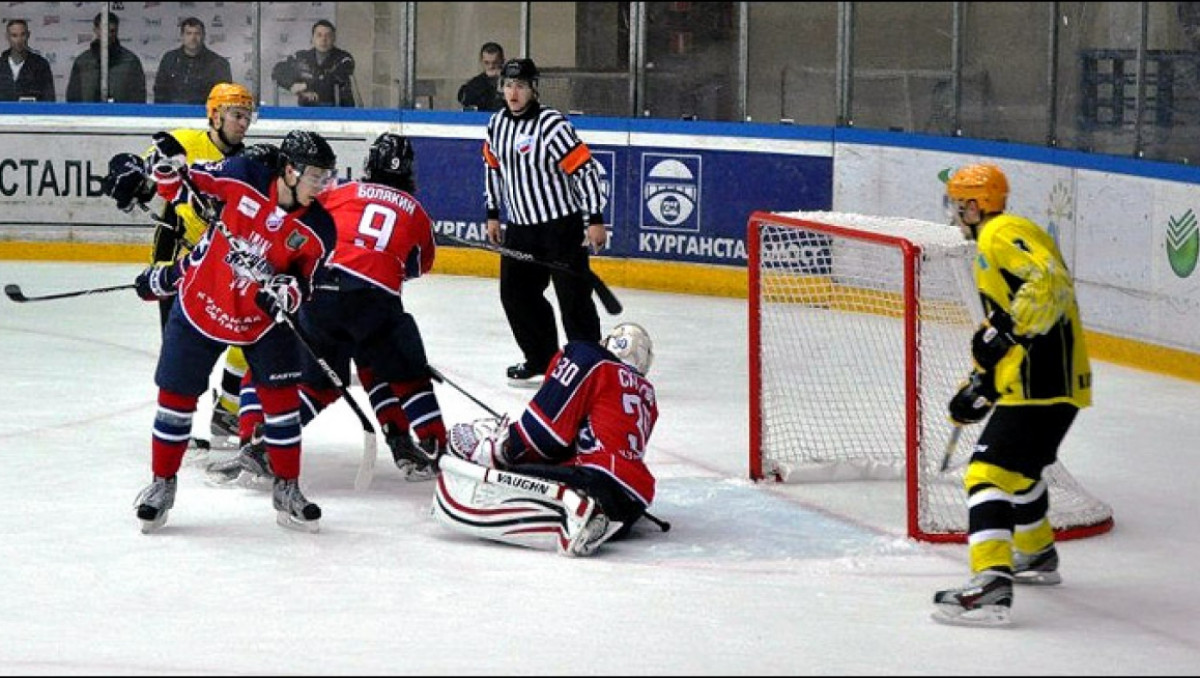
{"x":247,"y":272}
{"x":584,"y":434}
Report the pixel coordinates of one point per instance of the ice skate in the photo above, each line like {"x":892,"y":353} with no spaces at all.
{"x":293,"y":510}
{"x":586,"y":529}
{"x":224,"y":425}
{"x":248,"y":467}
{"x":154,"y":502}
{"x":417,"y":461}
{"x":1037,"y":569}
{"x":986,"y":600}
{"x":520,"y":376}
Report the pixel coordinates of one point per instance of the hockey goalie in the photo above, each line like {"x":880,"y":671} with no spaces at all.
{"x":570,"y":473}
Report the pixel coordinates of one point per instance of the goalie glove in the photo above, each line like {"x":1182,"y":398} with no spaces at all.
{"x":158,"y":282}
{"x":280,"y":296}
{"x":483,"y":442}
{"x":992,"y":340}
{"x":126,"y":181}
{"x":974,"y":399}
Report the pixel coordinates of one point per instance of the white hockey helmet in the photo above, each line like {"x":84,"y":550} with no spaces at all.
{"x":631,"y":343}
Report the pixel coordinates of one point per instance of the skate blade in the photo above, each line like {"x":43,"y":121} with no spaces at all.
{"x":285,"y":519}
{"x":536,"y":382}
{"x":987,"y":616}
{"x":1038,"y":578}
{"x":149,"y":526}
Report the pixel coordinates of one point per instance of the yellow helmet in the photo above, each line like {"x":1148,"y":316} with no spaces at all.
{"x":228,"y":94}
{"x":985,"y":184}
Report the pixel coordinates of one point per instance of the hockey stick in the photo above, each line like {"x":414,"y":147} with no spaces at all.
{"x":441,"y":379}
{"x":607,"y":298}
{"x":366,"y":468}
{"x":955,"y":434}
{"x":13,"y":291}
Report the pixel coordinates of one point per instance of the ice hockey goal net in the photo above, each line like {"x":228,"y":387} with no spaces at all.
{"x":860,"y":332}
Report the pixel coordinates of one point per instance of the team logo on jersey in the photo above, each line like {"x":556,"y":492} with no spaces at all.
{"x":671,"y":192}
{"x":524,"y":145}
{"x":275,"y":219}
{"x":1183,"y":243}
{"x":295,"y":240}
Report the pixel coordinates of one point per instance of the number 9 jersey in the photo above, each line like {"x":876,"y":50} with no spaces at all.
{"x":384,"y":234}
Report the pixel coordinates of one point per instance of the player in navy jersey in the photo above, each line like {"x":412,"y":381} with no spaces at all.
{"x":245,"y":273}
{"x":587,"y":428}
{"x":385,"y":237}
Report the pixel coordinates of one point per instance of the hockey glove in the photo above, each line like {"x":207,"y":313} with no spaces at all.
{"x":158,"y":282}
{"x":992,"y":340}
{"x":127,"y":182}
{"x":483,"y":442}
{"x":279,"y":296}
{"x":974,"y":399}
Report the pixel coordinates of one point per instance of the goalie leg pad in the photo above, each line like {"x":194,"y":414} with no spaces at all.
{"x":465,"y":503}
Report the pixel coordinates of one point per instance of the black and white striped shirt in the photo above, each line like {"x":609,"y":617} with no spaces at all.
{"x":540,"y":167}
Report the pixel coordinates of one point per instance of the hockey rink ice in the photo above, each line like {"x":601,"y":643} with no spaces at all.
{"x":752,"y":579}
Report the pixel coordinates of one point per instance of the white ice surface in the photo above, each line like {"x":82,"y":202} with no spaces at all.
{"x":752,"y":579}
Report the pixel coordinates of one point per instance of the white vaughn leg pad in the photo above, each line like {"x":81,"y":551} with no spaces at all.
{"x":498,"y":505}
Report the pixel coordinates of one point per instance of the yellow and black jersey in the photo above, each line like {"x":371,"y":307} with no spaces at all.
{"x":167,"y":245}
{"x":1019,"y":271}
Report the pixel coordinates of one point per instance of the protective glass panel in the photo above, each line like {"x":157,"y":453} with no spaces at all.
{"x":793,"y":62}
{"x":691,"y":60}
{"x":902,"y":67}
{"x":582,"y":51}
{"x":450,"y":36}
{"x":1005,"y":91}
{"x":1097,"y":59}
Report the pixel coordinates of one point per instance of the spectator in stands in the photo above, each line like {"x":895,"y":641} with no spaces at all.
{"x":321,"y":76}
{"x":482,"y":92}
{"x":187,"y":74}
{"x":126,"y":79}
{"x":24,"y":75}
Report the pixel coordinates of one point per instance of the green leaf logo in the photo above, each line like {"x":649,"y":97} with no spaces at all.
{"x":1183,"y":244}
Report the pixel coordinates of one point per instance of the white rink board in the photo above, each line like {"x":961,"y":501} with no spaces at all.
{"x":1111,"y":228}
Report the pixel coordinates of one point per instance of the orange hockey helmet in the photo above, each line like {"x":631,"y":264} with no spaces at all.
{"x":985,"y":184}
{"x":228,"y":94}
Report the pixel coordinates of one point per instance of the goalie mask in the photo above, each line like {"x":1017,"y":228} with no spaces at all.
{"x":631,"y":343}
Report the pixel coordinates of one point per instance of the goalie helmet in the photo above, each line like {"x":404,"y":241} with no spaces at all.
{"x":631,"y":343}
{"x":985,"y":184}
{"x":225,"y":94}
{"x":390,"y":162}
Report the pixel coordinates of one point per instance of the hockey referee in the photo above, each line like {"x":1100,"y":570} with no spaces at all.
{"x":553,"y":197}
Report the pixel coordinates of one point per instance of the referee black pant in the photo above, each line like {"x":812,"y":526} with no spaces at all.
{"x":523,"y":286}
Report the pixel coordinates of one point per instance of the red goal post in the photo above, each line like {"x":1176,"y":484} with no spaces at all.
{"x":859,"y":334}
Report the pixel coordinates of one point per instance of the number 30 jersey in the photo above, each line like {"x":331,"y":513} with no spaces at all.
{"x":384,"y":236}
{"x":592,"y":410}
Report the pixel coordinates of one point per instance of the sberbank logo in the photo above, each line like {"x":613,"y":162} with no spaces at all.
{"x":1183,"y":243}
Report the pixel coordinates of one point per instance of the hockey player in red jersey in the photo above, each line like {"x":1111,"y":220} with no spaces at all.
{"x":585,"y":430}
{"x":255,"y":265}
{"x":385,"y":237}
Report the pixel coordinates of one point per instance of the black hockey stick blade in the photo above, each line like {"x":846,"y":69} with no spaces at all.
{"x":13,"y":291}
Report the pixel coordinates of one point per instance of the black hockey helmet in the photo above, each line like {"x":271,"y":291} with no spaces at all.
{"x":305,"y":149}
{"x":390,"y":162}
{"x":520,"y":69}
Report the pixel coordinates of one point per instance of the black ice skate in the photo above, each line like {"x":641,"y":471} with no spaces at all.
{"x":154,"y":502}
{"x":293,"y":510}
{"x":1038,"y":569}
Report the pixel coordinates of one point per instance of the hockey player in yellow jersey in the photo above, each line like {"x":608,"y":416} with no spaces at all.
{"x":230,"y":108}
{"x":1031,"y":373}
